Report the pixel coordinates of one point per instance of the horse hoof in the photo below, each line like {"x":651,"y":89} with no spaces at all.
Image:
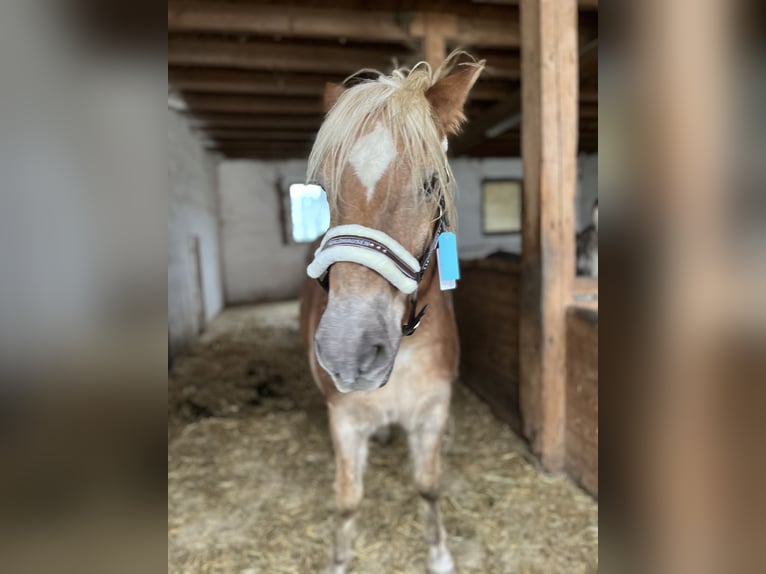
{"x":335,"y":568}
{"x":440,"y":561}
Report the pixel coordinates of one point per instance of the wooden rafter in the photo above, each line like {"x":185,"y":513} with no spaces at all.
{"x":261,"y":55}
{"x":581,"y":4}
{"x":509,"y":106}
{"x":289,"y":21}
{"x":228,"y":81}
{"x":224,"y":135}
{"x":214,"y":120}
{"x":506,"y":66}
{"x":253,"y":71}
{"x":396,"y":27}
{"x":476,"y":133}
{"x":253,"y":104}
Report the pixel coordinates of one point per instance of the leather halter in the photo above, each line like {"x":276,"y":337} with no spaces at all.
{"x":362,"y":242}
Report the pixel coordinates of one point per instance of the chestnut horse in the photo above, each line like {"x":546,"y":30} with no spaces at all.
{"x":381,"y":157}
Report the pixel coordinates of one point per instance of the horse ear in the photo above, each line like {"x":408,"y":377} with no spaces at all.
{"x":332,"y":92}
{"x":447,"y":97}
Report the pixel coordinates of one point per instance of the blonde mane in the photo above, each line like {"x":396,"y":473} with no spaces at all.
{"x":399,"y":103}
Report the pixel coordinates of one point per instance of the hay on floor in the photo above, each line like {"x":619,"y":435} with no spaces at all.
{"x":250,"y":470}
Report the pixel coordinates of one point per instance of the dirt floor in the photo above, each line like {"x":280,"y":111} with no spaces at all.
{"x":250,"y":471}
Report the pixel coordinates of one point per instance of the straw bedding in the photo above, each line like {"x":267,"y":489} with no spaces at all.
{"x":250,"y":472}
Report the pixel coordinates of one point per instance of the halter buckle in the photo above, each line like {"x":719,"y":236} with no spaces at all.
{"x":410,"y":326}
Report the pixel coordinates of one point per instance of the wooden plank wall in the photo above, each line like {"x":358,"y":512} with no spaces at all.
{"x":582,"y":397}
{"x":487,"y":308}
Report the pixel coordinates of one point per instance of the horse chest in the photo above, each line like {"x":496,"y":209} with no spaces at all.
{"x":412,"y":384}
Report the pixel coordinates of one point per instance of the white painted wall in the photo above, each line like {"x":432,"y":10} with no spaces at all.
{"x":469,"y":174}
{"x":192,"y":211}
{"x":258,"y":266}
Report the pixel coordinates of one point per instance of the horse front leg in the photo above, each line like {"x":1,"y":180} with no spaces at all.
{"x":425,"y":446}
{"x":350,"y":445}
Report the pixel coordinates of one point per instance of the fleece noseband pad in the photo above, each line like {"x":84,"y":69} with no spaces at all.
{"x":371,"y":248}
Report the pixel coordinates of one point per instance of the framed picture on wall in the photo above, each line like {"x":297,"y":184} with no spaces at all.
{"x":501,"y":206}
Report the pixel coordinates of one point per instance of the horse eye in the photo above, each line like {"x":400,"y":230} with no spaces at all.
{"x":429,"y":185}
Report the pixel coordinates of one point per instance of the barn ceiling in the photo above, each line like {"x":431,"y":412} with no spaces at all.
{"x":251,"y":74}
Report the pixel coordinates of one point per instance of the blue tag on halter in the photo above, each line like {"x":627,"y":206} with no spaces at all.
{"x":446,"y":256}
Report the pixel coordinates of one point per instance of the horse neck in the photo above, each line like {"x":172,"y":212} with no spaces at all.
{"x":429,"y":290}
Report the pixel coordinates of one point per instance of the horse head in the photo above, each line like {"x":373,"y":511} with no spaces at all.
{"x":381,"y":157}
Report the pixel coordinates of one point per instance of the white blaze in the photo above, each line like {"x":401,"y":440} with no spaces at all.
{"x":371,"y":156}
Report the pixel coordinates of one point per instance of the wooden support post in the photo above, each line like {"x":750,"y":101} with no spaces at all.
{"x":434,"y":29}
{"x":549,"y":151}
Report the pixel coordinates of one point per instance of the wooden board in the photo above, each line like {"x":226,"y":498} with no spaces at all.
{"x":582,"y":397}
{"x":487,"y":308}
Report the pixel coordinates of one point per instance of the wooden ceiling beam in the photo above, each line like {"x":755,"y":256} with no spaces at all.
{"x":261,"y":55}
{"x":487,"y":90}
{"x":226,"y":81}
{"x":252,"y":104}
{"x":261,"y":154}
{"x":515,"y":133}
{"x":213,"y":120}
{"x":589,"y":62}
{"x":581,"y":4}
{"x":509,"y":107}
{"x":497,"y":149}
{"x":260,"y":135}
{"x":332,"y":24}
{"x":478,"y":127}
{"x":589,"y":97}
{"x":262,"y":144}
{"x":434,"y":29}
{"x":260,"y":149}
{"x":483,"y":33}
{"x":588,"y":111}
{"x":501,"y":66}
{"x":289,"y":22}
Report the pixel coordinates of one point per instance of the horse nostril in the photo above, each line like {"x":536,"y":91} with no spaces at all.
{"x":370,"y":358}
